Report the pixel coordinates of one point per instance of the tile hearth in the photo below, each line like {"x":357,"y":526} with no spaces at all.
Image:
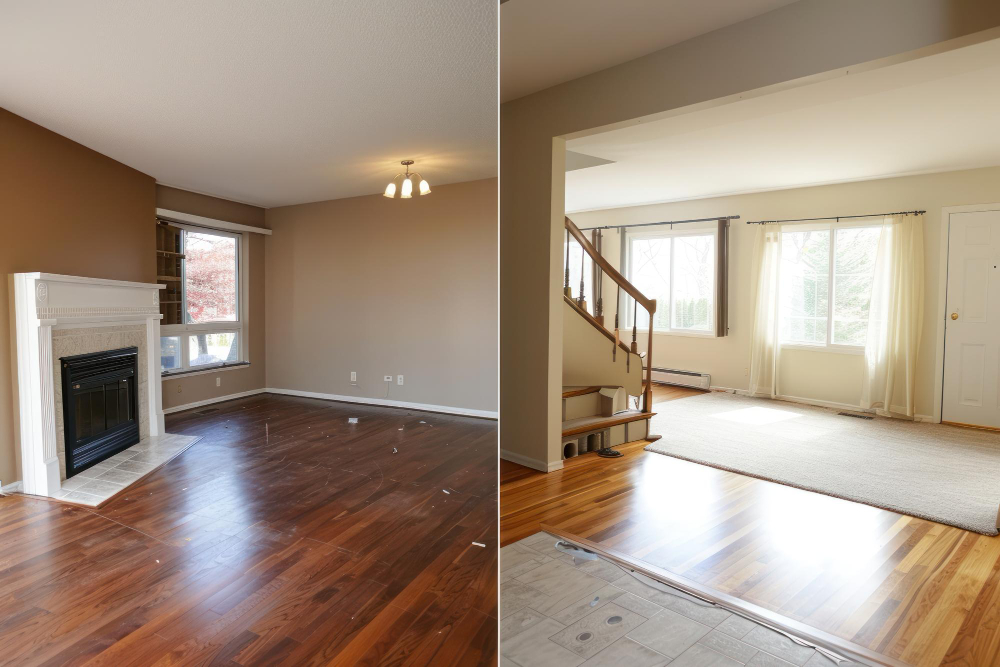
{"x":98,"y":483}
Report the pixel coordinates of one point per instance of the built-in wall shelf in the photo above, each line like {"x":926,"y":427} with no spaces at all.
{"x":169,"y":253}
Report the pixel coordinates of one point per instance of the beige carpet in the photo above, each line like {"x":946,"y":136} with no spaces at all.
{"x":943,"y":473}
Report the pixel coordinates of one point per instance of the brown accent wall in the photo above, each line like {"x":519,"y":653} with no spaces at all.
{"x":63,"y":209}
{"x":387,"y":286}
{"x":191,"y":389}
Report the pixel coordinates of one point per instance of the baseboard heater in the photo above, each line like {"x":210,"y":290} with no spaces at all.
{"x":682,"y":378}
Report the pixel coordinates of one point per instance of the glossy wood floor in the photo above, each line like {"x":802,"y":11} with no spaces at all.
{"x":286,"y":536}
{"x":912,"y":589}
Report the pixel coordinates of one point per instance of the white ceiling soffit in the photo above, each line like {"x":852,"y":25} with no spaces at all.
{"x":269,"y":103}
{"x":547,"y":42}
{"x":939,"y":113}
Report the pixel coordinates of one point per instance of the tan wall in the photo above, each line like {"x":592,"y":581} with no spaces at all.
{"x":201,"y":387}
{"x":814,"y":375}
{"x":588,"y":359}
{"x":385,"y":286}
{"x":63,"y":209}
{"x":806,"y":38}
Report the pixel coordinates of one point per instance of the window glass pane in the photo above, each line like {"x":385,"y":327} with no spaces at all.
{"x":212,"y":348}
{"x":576,"y":254}
{"x":805,"y":280}
{"x":170,"y":353}
{"x":854,"y":269}
{"x":649,"y":271}
{"x":694,"y":271}
{"x":209,"y":277}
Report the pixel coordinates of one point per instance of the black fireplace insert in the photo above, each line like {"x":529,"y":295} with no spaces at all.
{"x":99,"y":406}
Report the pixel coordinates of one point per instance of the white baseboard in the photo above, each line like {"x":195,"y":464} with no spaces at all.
{"x":13,"y":487}
{"x":529,"y":462}
{"x":798,"y":399}
{"x":828,"y":404}
{"x":209,"y":401}
{"x":426,"y":407}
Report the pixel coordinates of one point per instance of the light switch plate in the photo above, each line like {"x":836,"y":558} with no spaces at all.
{"x":354,"y":376}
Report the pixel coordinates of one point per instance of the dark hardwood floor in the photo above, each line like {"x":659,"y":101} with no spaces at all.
{"x":914,"y":590}
{"x":285,"y":536}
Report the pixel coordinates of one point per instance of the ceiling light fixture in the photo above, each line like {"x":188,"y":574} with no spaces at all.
{"x":406,"y":191}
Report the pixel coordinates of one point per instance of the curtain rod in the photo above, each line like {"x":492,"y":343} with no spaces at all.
{"x":666,"y":222}
{"x":834,"y":217}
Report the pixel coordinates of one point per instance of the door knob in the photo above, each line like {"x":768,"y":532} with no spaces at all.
{"x":954,"y":316}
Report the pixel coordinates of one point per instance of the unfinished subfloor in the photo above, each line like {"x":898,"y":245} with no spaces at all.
{"x":596,"y":614}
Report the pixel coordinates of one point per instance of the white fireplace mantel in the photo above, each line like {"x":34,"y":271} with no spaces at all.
{"x":47,"y":301}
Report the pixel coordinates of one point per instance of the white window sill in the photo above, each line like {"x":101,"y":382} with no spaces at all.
{"x":201,"y":371}
{"x":685,"y":334}
{"x":830,"y":349}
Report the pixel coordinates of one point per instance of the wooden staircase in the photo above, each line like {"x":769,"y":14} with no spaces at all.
{"x":601,"y":415}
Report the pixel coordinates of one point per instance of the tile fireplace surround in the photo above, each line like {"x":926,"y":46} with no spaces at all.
{"x":57,"y":316}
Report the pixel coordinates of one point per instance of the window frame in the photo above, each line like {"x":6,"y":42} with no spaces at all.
{"x":832,"y":227}
{"x":714,"y":291}
{"x":239,"y":327}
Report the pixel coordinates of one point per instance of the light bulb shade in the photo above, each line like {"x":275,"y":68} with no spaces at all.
{"x":425,"y":187}
{"x":390,"y":190}
{"x":407,"y":190}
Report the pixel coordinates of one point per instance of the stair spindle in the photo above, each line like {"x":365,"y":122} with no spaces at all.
{"x":599,"y":285}
{"x":583,"y":261}
{"x":567,"y":290}
{"x":614,"y":348}
{"x":635,"y":312}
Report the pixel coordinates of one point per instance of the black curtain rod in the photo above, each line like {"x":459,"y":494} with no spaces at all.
{"x":834,"y":217}
{"x":667,"y":222}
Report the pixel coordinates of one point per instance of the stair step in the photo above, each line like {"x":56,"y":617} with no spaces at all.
{"x":570,"y":392}
{"x":583,"y":425}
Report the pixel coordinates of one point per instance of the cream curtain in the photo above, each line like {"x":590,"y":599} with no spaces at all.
{"x":764,"y":348}
{"x":895,"y":317}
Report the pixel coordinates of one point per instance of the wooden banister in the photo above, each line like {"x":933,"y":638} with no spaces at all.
{"x":630,"y":289}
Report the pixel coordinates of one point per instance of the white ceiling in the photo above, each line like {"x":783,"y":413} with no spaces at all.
{"x":939,"y":113}
{"x":269,"y":103}
{"x":547,"y":42}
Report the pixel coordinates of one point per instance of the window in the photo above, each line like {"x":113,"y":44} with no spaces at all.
{"x":678,"y":270}
{"x":210,"y":296}
{"x":826,"y":282}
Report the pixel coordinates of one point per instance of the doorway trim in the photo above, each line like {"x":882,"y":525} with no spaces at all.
{"x":946,"y":213}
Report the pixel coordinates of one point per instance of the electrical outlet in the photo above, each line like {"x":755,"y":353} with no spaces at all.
{"x":354,"y":376}
{"x":178,"y":389}
{"x":388,"y":378}
{"x":218,"y":382}
{"x":399,"y":380}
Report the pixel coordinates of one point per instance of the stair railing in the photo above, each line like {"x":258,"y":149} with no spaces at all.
{"x":624,"y":285}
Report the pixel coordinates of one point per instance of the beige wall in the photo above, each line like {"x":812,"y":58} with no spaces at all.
{"x":810,"y":38}
{"x":386,"y":286}
{"x":201,"y":387}
{"x":63,"y":209}
{"x":822,"y":376}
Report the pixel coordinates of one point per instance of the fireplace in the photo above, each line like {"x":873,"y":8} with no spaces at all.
{"x":100,"y":406}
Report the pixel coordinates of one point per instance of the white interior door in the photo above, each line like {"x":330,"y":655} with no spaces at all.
{"x":972,"y":324}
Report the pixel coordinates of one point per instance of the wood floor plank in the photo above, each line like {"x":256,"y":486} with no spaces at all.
{"x":285,"y":535}
{"x":904,"y":587}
